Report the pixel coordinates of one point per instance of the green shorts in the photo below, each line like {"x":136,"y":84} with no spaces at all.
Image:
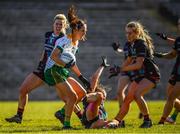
{"x":55,"y":75}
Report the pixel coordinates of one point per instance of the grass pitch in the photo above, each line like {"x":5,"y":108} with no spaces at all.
{"x":39,"y":118}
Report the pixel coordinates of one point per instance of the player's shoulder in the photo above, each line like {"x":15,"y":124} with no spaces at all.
{"x":48,"y":34}
{"x":140,"y":41}
{"x":62,"y":39}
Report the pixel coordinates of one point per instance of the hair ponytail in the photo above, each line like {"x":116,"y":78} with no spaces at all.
{"x":75,"y":22}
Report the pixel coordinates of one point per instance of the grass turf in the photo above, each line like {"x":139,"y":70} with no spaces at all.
{"x":39,"y":118}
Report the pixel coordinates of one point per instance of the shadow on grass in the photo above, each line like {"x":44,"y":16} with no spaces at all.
{"x":37,"y":129}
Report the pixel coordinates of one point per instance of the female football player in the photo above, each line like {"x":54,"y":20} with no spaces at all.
{"x":36,"y":78}
{"x":56,"y":71}
{"x":94,"y":114}
{"x":173,"y":87}
{"x":144,"y":72}
{"x":125,"y":77}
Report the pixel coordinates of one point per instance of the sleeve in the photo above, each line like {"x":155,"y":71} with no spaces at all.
{"x":141,"y":49}
{"x":126,"y":51}
{"x":175,"y":46}
{"x":47,"y":34}
{"x":60,"y":43}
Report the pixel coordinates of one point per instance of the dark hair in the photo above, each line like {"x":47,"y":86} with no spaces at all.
{"x":74,"y":21}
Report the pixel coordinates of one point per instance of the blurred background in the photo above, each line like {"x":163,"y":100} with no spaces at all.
{"x":24,"y":22}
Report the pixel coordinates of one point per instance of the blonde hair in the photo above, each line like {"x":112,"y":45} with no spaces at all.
{"x":142,"y":33}
{"x":64,"y":19}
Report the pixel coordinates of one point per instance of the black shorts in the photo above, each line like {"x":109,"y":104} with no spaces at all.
{"x":87,"y":123}
{"x":154,"y":80}
{"x":137,"y":79}
{"x":174,"y":77}
{"x":128,"y":74}
{"x":40,"y":70}
{"x":152,"y":71}
{"x":125,"y":74}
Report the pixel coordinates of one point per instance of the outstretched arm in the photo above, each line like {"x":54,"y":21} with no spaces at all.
{"x":163,"y":36}
{"x":95,"y":77}
{"x":171,"y":41}
{"x":116,"y":48}
{"x":170,"y":55}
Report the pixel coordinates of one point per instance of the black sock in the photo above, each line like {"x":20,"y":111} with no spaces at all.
{"x":79,"y":114}
{"x":146,"y":117}
{"x":20,"y":112}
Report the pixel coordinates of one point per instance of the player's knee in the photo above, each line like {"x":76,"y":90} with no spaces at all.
{"x":128,"y":100}
{"x":171,"y":98}
{"x":72,"y":97}
{"x":120,"y":93}
{"x":83,"y":94}
{"x":23,"y":91}
{"x":137,"y":96}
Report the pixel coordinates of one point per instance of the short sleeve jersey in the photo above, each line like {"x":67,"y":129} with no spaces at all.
{"x":126,"y":50}
{"x":139,"y":49}
{"x":65,"y":45}
{"x":50,"y":39}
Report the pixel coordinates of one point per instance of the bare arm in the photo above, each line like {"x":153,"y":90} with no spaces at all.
{"x":95,"y":78}
{"x":135,"y":66}
{"x":163,"y":36}
{"x":55,"y":56}
{"x":76,"y":70}
{"x":170,"y":55}
{"x":127,"y":62}
{"x":171,"y":41}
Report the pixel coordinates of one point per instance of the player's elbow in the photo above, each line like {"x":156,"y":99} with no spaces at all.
{"x":54,"y":56}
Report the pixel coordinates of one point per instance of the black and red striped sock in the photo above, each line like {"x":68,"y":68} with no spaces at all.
{"x":162,"y":120}
{"x":79,"y":114}
{"x":20,"y":111}
{"x":146,"y":117}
